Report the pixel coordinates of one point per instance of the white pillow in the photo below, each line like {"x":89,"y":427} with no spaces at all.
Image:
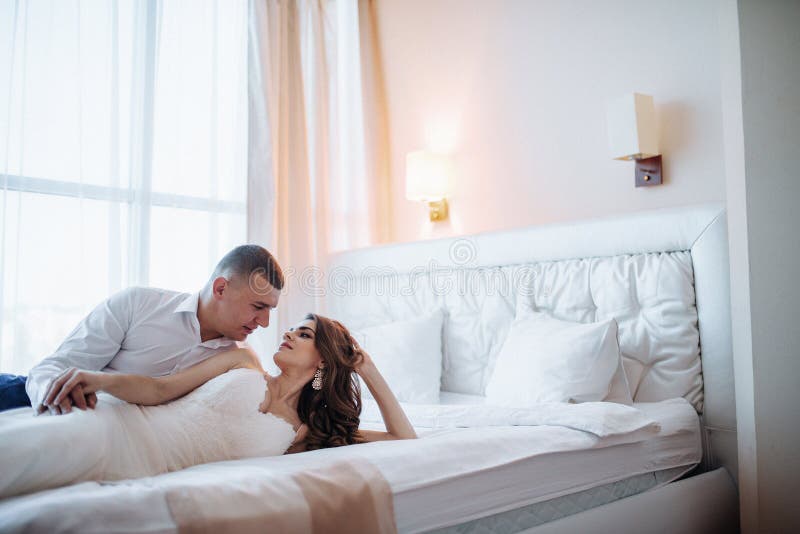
{"x":548,"y":360}
{"x":620,"y":391}
{"x":409,"y":356}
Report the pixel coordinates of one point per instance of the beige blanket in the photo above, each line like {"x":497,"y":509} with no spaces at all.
{"x":343,"y":496}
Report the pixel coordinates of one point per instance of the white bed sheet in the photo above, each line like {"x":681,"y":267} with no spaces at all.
{"x":450,"y":476}
{"x":448,"y":397}
{"x":543,"y":475}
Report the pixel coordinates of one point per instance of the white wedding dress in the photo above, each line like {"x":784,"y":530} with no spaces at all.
{"x":218,"y":421}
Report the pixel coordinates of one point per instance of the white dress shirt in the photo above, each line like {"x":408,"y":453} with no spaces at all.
{"x":140,"y":330}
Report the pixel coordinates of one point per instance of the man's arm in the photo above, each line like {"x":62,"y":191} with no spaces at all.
{"x":91,"y":346}
{"x":150,"y":391}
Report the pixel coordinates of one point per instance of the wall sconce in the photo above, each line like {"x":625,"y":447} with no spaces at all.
{"x":632,"y":135}
{"x":429,"y":178}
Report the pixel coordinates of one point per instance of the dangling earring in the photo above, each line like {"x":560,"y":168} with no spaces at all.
{"x":317,"y":382}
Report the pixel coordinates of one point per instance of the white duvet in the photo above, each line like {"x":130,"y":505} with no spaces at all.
{"x":446,"y":450}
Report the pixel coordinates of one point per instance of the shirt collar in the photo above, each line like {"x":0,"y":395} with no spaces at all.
{"x":221,"y":342}
{"x":189,"y":304}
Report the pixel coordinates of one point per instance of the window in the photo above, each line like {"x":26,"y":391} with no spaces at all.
{"x":123,"y":156}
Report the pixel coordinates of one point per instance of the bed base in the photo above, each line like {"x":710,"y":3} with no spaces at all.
{"x":702,"y":504}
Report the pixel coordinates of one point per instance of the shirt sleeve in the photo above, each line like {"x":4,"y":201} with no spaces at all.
{"x":91,"y":345}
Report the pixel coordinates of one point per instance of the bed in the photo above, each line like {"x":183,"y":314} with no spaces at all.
{"x":475,"y":469}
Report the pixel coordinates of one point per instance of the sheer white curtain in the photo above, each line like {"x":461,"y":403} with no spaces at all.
{"x":123,"y":155}
{"x":316,"y":113}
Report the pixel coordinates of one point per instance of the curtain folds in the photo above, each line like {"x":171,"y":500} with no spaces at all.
{"x":140,"y":140}
{"x":316,"y":95}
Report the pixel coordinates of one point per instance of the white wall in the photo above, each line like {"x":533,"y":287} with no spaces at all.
{"x":517,"y":90}
{"x":733,"y":136}
{"x":762,"y":136}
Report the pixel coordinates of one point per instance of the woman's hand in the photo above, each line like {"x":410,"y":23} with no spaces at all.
{"x":75,"y":384}
{"x":397,"y":424}
{"x":364,"y":363}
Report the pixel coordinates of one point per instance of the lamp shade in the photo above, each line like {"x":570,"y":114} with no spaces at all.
{"x":429,"y":176}
{"x":632,"y":127}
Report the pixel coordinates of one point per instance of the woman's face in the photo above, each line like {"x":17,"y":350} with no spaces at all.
{"x":298,"y":350}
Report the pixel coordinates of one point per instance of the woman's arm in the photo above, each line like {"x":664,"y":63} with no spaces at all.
{"x":397,"y":424}
{"x":147,"y":390}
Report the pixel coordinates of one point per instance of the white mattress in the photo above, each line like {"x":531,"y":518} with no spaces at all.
{"x":450,"y":476}
{"x":542,"y":474}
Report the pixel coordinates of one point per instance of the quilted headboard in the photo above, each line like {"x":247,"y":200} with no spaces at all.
{"x":663,"y":275}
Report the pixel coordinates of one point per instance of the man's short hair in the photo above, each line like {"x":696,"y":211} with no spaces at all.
{"x":248,"y":260}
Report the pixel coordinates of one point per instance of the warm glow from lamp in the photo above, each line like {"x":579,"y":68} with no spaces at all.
{"x":429,"y":178}
{"x":441,"y":131}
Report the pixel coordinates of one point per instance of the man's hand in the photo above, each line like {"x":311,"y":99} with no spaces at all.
{"x":73,"y":387}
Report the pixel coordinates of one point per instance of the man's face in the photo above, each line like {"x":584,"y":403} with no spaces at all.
{"x":244,"y":305}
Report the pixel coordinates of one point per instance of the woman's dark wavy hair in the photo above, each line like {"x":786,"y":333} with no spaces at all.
{"x":332,"y":413}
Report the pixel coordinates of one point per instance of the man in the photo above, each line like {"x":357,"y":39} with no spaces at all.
{"x":157,"y":332}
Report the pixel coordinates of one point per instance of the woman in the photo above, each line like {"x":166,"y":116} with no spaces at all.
{"x":227,"y":407}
